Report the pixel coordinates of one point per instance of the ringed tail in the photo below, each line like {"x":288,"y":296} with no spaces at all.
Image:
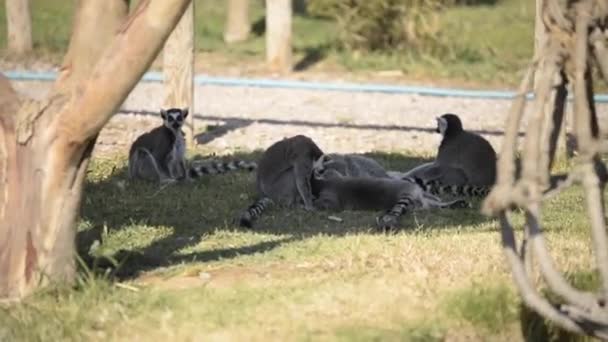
{"x":389,"y":218}
{"x":219,"y":167}
{"x":254,"y":212}
{"x":436,"y":188}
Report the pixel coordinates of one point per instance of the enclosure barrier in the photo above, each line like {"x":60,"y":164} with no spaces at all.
{"x":153,"y":76}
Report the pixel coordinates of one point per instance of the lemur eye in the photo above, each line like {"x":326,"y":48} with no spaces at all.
{"x":170,"y":119}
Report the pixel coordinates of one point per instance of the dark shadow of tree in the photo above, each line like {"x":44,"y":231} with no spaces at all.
{"x":312,"y":56}
{"x":231,"y":123}
{"x":202,"y":208}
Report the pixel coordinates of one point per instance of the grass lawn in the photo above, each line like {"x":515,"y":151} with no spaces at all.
{"x":189,"y":273}
{"x":488,"y":45}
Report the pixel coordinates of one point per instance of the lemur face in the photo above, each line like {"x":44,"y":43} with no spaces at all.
{"x":449,"y":124}
{"x":173,"y":118}
{"x":442,"y":125}
{"x":319,"y":165}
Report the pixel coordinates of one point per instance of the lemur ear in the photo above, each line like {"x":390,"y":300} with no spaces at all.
{"x":185,"y":112}
{"x":163,"y":114}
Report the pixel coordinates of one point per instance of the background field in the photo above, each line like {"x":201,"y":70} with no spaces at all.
{"x":487,"y":45}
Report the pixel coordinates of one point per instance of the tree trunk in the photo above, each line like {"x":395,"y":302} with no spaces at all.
{"x":278,"y":35}
{"x":541,"y":38}
{"x":178,"y":57}
{"x":237,"y":21}
{"x":45,"y":145}
{"x":19,"y":26}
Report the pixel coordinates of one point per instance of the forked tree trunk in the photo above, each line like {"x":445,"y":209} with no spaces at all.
{"x":237,"y":21}
{"x":19,"y":26}
{"x":45,"y":145}
{"x":278,"y":35}
{"x":178,"y":68}
{"x":576,"y":42}
{"x":541,"y":40}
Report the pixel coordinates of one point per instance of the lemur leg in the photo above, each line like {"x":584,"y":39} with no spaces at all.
{"x":144,"y":164}
{"x":326,"y":202}
{"x":390,"y":218}
{"x":430,"y":201}
{"x":425,"y":171}
{"x":302,"y":171}
{"x":184,"y":170}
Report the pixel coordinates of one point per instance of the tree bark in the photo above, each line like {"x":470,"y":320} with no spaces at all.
{"x":573,"y":27}
{"x":178,"y":59}
{"x":278,"y":35}
{"x":45,"y":145}
{"x":541,"y":39}
{"x":237,"y":21}
{"x":19,"y":26}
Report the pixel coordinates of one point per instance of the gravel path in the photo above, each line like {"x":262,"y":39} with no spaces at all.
{"x":253,"y":118}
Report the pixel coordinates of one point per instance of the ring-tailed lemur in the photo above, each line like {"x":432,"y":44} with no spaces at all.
{"x":160,"y":154}
{"x":351,"y":165}
{"x":337,"y":192}
{"x":463,"y":157}
{"x":200,"y":169}
{"x":283,"y":176}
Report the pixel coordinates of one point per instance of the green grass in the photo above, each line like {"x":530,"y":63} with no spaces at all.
{"x":488,"y":45}
{"x":187,"y":272}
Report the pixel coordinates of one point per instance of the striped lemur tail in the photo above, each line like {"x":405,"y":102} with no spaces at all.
{"x":219,"y":167}
{"x":436,"y":188}
{"x":254,"y":211}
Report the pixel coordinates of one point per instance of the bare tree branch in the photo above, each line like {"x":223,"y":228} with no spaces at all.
{"x":553,"y":125}
{"x":532,"y":144}
{"x":585,"y":123}
{"x":122,"y":65}
{"x":553,"y":277}
{"x":568,"y":24}
{"x":598,"y":40}
{"x":97,"y":20}
{"x":8,"y":96}
{"x":526,"y":290}
{"x":501,"y":195}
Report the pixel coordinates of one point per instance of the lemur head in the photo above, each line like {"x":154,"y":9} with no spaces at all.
{"x":173,"y":118}
{"x":318,"y":166}
{"x":448,"y":124}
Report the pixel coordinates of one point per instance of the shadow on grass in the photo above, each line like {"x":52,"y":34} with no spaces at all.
{"x":188,"y":213}
{"x":312,"y":56}
{"x":234,"y":123}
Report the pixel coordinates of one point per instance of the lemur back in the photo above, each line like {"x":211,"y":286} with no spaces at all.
{"x":283,"y":176}
{"x":395,"y":197}
{"x":465,"y":163}
{"x":351,"y":165}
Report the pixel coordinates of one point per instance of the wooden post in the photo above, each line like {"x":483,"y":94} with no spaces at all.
{"x":19,"y":26}
{"x":278,"y":35}
{"x":237,"y":21}
{"x":178,"y":59}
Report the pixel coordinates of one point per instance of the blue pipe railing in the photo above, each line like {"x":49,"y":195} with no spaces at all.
{"x":153,"y":76}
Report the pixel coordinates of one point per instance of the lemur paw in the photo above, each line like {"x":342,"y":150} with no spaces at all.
{"x":386,"y":222}
{"x":460,"y":204}
{"x":168,"y":181}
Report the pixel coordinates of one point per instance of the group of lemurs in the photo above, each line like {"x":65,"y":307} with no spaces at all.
{"x":295,"y":172}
